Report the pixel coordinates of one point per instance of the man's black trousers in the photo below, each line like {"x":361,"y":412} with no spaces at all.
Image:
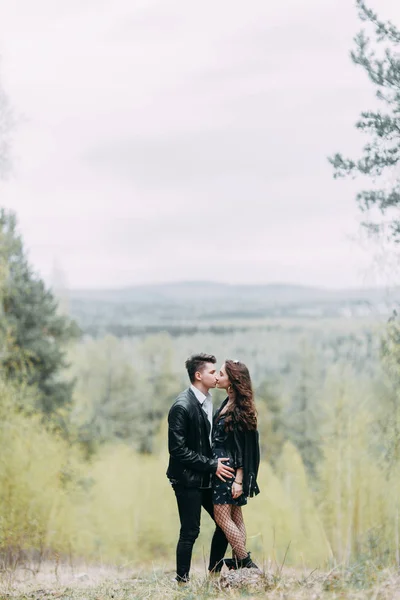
{"x":190,"y":501}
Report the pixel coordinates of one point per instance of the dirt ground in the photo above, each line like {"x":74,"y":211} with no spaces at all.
{"x":100,"y":582}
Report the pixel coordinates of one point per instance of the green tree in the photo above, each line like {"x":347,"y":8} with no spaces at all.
{"x":156,"y":354}
{"x":304,"y":412}
{"x":122,"y":393}
{"x":34,"y":334}
{"x":270,"y":422}
{"x":388,"y":409}
{"x":381,"y":154}
{"x":107,"y":394}
{"x":358,"y":499}
{"x":5,"y":128}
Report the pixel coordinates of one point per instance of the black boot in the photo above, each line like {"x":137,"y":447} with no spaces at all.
{"x":246,"y":563}
{"x":231,"y":563}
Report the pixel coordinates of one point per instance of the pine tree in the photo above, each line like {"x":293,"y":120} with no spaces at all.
{"x":382,"y":154}
{"x":34,"y":334}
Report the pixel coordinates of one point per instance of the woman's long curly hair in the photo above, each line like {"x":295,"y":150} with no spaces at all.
{"x":244,"y":411}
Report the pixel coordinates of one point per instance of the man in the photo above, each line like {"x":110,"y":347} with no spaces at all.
{"x":191,"y":464}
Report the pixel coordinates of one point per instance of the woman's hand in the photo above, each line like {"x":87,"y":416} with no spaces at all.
{"x":237,"y":489}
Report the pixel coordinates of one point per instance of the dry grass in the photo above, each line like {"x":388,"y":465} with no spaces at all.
{"x":100,"y":583}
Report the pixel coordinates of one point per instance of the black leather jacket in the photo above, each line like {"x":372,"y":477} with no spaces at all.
{"x":242,"y":447}
{"x":190,"y":456}
{"x":232,"y":442}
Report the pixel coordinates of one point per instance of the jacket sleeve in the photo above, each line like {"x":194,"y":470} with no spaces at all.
{"x":238,"y":439}
{"x":252,"y":462}
{"x":178,"y":423}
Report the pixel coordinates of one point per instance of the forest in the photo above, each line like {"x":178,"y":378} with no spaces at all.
{"x":87,"y":378}
{"x":84,"y":421}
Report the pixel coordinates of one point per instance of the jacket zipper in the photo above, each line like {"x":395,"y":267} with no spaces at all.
{"x":201,"y":452}
{"x":251,"y":478}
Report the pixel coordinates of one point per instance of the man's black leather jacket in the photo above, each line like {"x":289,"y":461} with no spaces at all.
{"x":190,"y":460}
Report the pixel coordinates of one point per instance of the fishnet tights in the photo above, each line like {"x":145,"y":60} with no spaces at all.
{"x":237,"y":517}
{"x":230,"y":519}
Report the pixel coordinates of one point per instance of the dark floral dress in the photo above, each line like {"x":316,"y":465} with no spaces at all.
{"x":222,"y":490}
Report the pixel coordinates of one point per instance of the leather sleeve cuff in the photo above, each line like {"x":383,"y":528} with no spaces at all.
{"x":214,"y":465}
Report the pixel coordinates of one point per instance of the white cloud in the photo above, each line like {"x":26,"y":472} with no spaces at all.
{"x":154,"y":133}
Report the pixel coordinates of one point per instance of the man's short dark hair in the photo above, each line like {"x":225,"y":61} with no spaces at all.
{"x":197,"y":362}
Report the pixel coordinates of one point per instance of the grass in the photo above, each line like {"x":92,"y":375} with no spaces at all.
{"x":61,"y":582}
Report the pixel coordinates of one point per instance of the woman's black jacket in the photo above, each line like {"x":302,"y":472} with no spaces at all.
{"x":243,"y":447}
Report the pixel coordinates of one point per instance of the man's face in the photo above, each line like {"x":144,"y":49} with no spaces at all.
{"x":208,"y":375}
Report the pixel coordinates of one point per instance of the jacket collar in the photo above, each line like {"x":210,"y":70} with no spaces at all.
{"x":195,"y":401}
{"x":199,"y":395}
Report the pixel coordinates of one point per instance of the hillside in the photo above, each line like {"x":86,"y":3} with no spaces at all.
{"x":199,"y":304}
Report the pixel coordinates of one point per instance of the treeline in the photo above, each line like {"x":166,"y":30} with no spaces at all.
{"x":127,"y":316}
{"x":83,"y":438}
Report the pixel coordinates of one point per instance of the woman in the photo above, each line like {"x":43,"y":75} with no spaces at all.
{"x":235,"y":436}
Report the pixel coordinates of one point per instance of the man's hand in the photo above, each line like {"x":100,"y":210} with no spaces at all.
{"x":223,"y":470}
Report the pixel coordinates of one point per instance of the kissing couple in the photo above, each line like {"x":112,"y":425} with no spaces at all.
{"x":213,"y":460}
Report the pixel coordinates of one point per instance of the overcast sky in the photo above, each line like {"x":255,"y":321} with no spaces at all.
{"x":165,"y":140}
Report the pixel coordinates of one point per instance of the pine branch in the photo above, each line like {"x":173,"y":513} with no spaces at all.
{"x":383,"y":72}
{"x":395,"y":230}
{"x":384,"y":30}
{"x":379,"y":199}
{"x":342,"y":166}
{"x":377,"y":159}
{"x":384,"y":126}
{"x":373,"y":163}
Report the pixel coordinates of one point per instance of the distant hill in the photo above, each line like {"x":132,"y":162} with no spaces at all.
{"x":193,"y":304}
{"x":204,"y":290}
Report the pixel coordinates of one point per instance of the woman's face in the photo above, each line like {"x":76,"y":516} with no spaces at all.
{"x":222,"y":379}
